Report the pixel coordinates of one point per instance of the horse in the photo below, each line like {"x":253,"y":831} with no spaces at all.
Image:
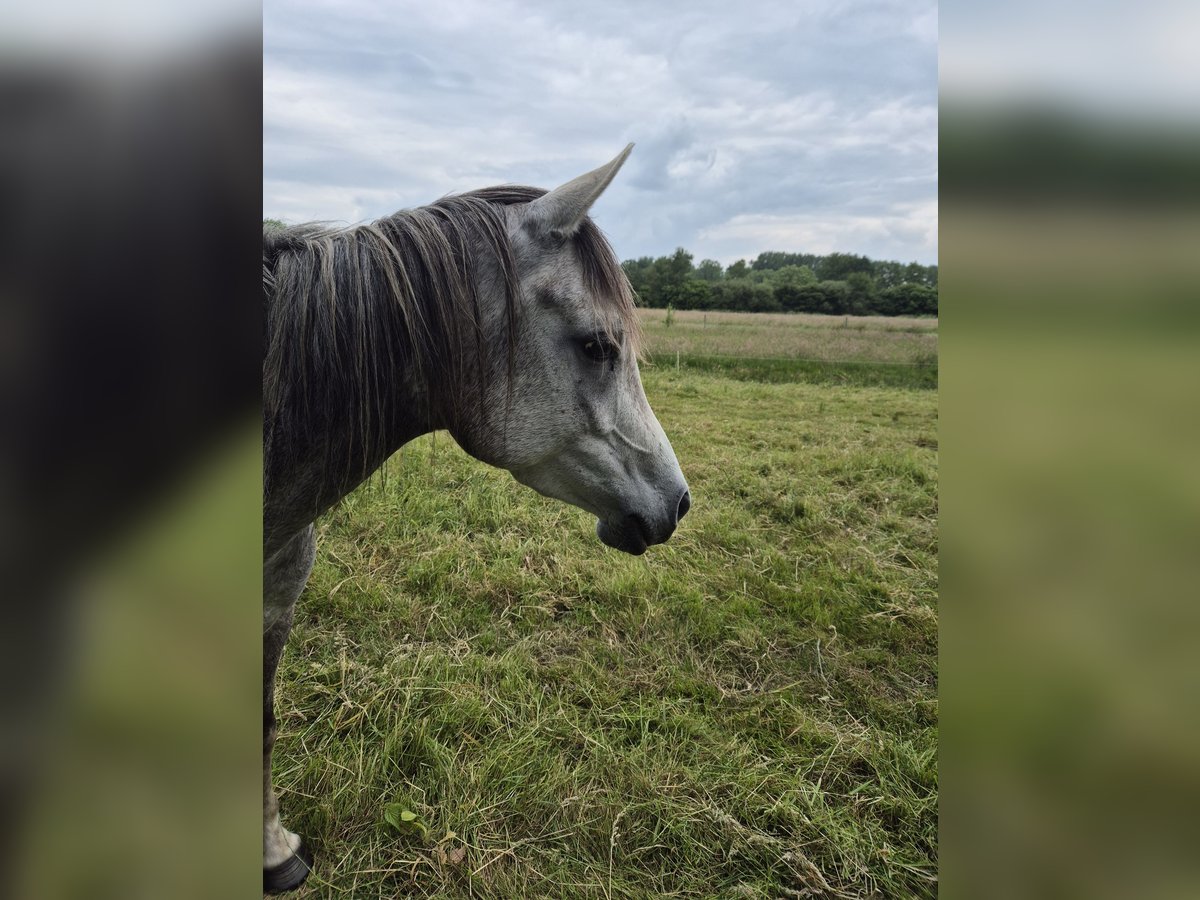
{"x":500,"y":315}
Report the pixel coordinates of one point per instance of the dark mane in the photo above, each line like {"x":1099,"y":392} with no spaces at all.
{"x":350,"y":310}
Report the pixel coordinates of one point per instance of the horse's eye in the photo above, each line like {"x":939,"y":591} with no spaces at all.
{"x":599,"y":349}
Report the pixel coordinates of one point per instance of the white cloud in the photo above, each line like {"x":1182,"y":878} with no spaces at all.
{"x":792,"y":126}
{"x":905,"y":233}
{"x":1117,"y":58}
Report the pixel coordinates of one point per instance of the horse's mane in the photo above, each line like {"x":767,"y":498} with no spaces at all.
{"x":349,"y":309}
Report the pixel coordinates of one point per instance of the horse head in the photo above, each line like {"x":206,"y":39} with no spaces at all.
{"x":577,"y":426}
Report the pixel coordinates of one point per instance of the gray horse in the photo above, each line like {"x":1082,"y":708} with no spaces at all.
{"x":501,"y":315}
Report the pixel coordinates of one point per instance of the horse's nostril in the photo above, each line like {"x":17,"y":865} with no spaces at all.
{"x":685,"y":503}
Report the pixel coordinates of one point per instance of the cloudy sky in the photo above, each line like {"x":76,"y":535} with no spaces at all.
{"x":805,"y":125}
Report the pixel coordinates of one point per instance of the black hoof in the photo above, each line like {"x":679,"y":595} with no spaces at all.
{"x":288,"y":875}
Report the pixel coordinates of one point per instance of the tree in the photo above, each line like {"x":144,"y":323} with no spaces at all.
{"x":791,"y":276}
{"x":692,"y":294}
{"x":669,"y":276}
{"x":809,"y":298}
{"x":638,"y":273}
{"x":744,"y":295}
{"x":788,"y":298}
{"x":860,"y":294}
{"x":773,"y":259}
{"x":909,"y":299}
{"x":709,"y":270}
{"x":837,"y":284}
{"x":836,"y":266}
{"x":834,"y":298}
{"x":887,"y":274}
{"x":916,"y":273}
{"x":762,"y":299}
{"x":787,"y":284}
{"x":677,"y":266}
{"x":657,"y":281}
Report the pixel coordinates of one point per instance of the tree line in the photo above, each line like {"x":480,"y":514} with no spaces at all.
{"x":836,"y":284}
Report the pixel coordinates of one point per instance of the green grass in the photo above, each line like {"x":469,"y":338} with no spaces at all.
{"x":749,"y":711}
{"x":780,"y":336}
{"x":863,"y":351}
{"x":784,"y":371}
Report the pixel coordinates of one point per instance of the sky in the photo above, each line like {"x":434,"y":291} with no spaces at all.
{"x":805,"y":126}
{"x":1107,"y":57}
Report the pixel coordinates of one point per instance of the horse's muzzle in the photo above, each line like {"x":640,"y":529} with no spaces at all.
{"x":633,"y":533}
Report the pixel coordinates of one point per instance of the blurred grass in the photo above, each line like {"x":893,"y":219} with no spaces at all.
{"x":1072,"y":521}
{"x":748,"y":711}
{"x":148,"y":784}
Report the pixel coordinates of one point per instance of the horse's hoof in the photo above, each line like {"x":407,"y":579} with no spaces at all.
{"x":290,"y":874}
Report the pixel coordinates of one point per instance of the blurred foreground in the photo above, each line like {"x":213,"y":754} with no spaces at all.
{"x":1071,"y":359}
{"x":1071,"y":518}
{"x":129,"y":458}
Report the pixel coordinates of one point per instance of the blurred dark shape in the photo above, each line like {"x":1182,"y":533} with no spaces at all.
{"x":1039,"y":151}
{"x":130,"y":329}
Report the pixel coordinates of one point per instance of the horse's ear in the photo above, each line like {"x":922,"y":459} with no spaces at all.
{"x":561,"y":211}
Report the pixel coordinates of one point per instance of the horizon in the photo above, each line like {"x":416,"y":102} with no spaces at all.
{"x":749,"y":260}
{"x":696,"y":259}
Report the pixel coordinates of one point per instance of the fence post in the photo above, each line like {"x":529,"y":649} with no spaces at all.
{"x":676,"y":360}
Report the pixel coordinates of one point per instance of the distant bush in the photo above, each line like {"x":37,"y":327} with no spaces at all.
{"x":909,"y":299}
{"x":744,"y":294}
{"x":836,"y":284}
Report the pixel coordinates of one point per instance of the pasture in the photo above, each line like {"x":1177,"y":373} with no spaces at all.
{"x":784,"y":348}
{"x":480,"y":700}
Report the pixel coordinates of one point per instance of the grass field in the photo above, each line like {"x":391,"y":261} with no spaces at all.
{"x":850,"y":350}
{"x":749,"y":711}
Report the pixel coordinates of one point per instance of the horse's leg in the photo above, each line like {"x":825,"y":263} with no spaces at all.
{"x":286,"y":863}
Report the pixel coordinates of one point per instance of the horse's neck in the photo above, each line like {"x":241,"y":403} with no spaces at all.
{"x":330,"y":454}
{"x":326,"y":463}
{"x":324,"y":466}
